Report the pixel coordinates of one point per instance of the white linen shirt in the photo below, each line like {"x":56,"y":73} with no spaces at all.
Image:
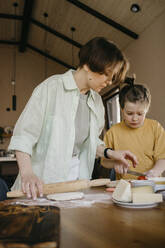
{"x":46,"y":129}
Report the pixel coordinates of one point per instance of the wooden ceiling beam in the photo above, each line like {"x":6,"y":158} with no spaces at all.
{"x":104,"y":18}
{"x":10,"y":16}
{"x":45,"y":27}
{"x":58,"y":34}
{"x":28,"y":7}
{"x":50,"y":57}
{"x":10,"y":42}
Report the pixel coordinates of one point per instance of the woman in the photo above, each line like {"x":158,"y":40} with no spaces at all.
{"x":57,"y":136}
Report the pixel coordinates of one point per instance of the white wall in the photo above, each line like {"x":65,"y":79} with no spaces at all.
{"x":147,"y":59}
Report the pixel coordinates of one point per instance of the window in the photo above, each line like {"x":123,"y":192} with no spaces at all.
{"x":113,"y":110}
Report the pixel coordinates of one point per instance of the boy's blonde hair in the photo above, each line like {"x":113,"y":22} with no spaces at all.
{"x":134,"y":93}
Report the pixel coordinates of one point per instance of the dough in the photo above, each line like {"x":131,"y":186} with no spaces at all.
{"x":66,"y":196}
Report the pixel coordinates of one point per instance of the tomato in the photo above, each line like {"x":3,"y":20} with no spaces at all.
{"x":142,"y":178}
{"x":110,"y":189}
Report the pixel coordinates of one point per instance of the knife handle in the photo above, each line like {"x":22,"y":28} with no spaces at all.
{"x":135,"y":173}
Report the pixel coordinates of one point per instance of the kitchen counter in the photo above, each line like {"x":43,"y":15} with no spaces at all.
{"x":8,"y":166}
{"x":106,"y":225}
{"x":7,"y":159}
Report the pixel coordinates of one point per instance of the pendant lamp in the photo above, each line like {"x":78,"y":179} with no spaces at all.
{"x":73,"y":29}
{"x":45,"y":46}
{"x":13,"y":80}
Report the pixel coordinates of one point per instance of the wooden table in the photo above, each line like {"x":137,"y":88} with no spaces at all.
{"x":110,"y":226}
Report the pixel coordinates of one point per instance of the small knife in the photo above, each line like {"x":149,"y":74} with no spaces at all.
{"x":135,"y":173}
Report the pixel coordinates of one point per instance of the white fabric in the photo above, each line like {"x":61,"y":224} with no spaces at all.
{"x":74,"y":169}
{"x":46,"y":129}
{"x":81,"y":124}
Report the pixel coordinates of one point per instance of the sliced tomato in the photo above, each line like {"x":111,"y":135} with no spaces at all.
{"x":142,"y":178}
{"x":110,"y":189}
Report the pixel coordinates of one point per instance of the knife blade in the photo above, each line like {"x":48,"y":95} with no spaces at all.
{"x":135,"y":173}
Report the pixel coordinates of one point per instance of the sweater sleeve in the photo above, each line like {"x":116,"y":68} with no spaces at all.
{"x":159,"y":146}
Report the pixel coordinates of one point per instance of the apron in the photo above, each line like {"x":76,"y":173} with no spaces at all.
{"x":74,"y":169}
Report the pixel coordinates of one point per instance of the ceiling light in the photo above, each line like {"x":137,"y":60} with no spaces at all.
{"x":135,"y":8}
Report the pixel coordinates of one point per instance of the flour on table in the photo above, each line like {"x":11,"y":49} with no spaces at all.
{"x":66,"y":196}
{"x":89,"y":200}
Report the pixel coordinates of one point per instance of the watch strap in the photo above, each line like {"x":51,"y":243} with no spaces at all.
{"x":105,"y":152}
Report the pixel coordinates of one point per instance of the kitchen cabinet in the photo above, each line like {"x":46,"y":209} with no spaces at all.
{"x":8,"y":170}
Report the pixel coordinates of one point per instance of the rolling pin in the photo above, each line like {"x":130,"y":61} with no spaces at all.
{"x":62,"y":187}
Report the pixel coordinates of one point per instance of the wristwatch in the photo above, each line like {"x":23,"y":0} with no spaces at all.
{"x":105,"y":152}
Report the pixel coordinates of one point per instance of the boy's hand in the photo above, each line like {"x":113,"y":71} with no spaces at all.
{"x":153,"y":173}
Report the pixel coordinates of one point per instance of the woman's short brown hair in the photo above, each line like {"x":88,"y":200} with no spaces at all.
{"x":99,"y":54}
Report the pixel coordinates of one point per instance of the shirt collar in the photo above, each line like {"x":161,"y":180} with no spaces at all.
{"x":70,"y":83}
{"x":92,"y":93}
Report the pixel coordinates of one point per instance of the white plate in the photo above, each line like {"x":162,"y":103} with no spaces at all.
{"x":157,"y":179}
{"x":135,"y":205}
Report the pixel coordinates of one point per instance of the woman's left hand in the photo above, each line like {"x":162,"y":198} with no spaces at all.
{"x":121,"y":159}
{"x":120,"y":169}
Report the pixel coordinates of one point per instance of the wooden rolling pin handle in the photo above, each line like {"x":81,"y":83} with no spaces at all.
{"x":69,"y":186}
{"x":15,"y":193}
{"x":61,"y":187}
{"x":52,"y":188}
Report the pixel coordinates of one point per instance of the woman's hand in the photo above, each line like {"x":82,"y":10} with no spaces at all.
{"x":121,"y":160}
{"x":120,"y":169}
{"x":31,"y":185}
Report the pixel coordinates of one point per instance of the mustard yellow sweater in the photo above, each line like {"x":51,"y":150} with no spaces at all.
{"x":146,"y":142}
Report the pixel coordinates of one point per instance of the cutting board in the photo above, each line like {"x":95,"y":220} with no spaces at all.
{"x":29,"y":224}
